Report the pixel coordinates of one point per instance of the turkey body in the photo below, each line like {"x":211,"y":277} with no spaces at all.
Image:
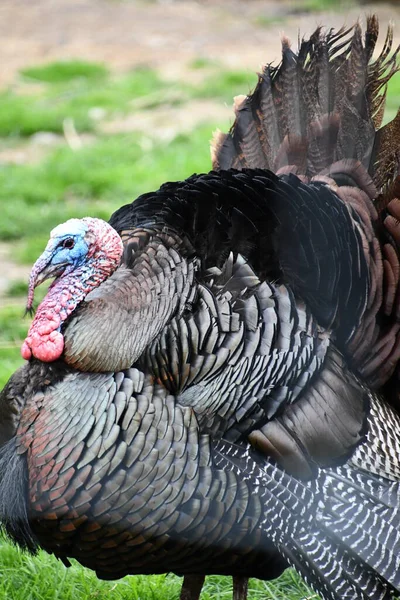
{"x":213,"y":410}
{"x":144,"y":490}
{"x":121,"y":478}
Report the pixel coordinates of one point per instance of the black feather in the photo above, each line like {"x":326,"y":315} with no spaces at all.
{"x":14,"y":497}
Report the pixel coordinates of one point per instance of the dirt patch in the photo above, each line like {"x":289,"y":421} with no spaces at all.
{"x":167,"y":121}
{"x":164,"y":35}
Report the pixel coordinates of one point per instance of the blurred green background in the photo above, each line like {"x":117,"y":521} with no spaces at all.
{"x":100,"y":101}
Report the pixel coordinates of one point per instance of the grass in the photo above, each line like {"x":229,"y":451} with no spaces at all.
{"x":42,"y":577}
{"x":392,"y":101}
{"x":221,"y":85}
{"x":24,"y":112}
{"x":268,"y":21}
{"x":13,"y":329}
{"x":66,"y":71}
{"x":97,"y":179}
{"x":107,"y":171}
{"x":88,"y":100}
{"x":312,"y":6}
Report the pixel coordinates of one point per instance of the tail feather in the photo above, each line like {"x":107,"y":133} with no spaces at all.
{"x":344,"y":575}
{"x":371,"y":36}
{"x":317,"y":115}
{"x":385,"y":159}
{"x":361,"y":500}
{"x":321,"y":105}
{"x":14,"y":497}
{"x":297,"y":518}
{"x":341,"y":530}
{"x":363,"y":521}
{"x":380,"y":71}
{"x":267,"y":114}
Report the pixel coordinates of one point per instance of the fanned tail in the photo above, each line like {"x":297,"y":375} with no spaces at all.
{"x":319,"y":116}
{"x":321,"y":105}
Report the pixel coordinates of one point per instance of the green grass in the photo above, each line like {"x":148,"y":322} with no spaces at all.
{"x":392,"y":101}
{"x":203,"y":62}
{"x":13,"y":327}
{"x":223,"y":85}
{"x":79,"y":99}
{"x":267,"y":20}
{"x":24,"y":577}
{"x":17,"y":289}
{"x":12,"y":330}
{"x":88,"y":99}
{"x":66,"y":71}
{"x":311,"y":6}
{"x":96,"y":179}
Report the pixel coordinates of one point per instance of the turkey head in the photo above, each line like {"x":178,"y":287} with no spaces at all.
{"x":80,"y":254}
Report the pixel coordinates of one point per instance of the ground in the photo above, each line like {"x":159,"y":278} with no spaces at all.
{"x":164,"y":35}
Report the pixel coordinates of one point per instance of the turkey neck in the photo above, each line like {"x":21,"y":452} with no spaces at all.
{"x":66,"y":293}
{"x":44,"y":339}
{"x":117,"y":321}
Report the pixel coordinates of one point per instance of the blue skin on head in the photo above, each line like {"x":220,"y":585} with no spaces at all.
{"x":71,"y":249}
{"x":66,"y":250}
{"x":67,"y":244}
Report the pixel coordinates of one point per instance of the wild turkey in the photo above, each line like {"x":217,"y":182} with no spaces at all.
{"x":237,"y":294}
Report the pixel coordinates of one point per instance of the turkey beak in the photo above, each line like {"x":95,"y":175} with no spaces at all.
{"x":42,"y":269}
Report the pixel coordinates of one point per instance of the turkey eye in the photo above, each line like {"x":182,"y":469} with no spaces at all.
{"x":68,"y":243}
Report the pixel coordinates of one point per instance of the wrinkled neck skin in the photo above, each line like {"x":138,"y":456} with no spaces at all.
{"x":45,"y":340}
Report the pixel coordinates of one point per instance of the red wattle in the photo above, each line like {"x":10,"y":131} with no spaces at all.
{"x":46,"y":347}
{"x":26,"y":352}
